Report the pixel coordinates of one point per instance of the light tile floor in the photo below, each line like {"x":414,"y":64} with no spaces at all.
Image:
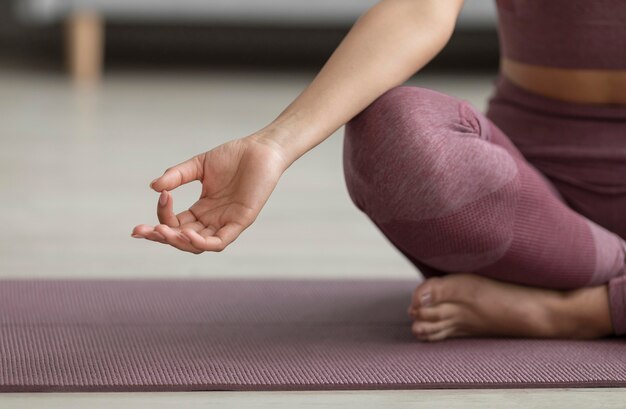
{"x":74,"y":172}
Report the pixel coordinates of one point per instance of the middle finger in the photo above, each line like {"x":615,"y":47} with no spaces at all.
{"x":176,"y":239}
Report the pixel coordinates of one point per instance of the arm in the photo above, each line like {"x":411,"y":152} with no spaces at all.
{"x":386,"y":46}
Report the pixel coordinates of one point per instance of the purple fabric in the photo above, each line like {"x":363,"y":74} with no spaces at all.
{"x":564,"y":33}
{"x":262,"y":335}
{"x":581,"y":149}
{"x":532,"y":193}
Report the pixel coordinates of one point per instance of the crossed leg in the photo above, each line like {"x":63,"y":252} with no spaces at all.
{"x":453,"y":194}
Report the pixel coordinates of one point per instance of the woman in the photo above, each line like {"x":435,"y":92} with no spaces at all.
{"x":516,"y":217}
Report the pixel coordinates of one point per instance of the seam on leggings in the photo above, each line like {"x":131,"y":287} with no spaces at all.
{"x":470,"y":117}
{"x":623,"y":271}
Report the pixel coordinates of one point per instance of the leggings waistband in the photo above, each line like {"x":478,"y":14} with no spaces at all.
{"x":506,"y":90}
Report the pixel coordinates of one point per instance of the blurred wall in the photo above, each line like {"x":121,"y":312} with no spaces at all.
{"x":149,"y":45}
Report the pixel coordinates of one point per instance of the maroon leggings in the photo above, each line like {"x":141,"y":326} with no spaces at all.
{"x":533,"y":193}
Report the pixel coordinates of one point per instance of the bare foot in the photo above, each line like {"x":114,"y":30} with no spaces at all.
{"x":467,"y":305}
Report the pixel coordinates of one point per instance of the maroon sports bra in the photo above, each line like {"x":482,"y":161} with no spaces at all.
{"x":564,"y":33}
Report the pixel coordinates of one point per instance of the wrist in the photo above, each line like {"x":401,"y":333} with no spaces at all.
{"x":289,"y":138}
{"x":278,"y":141}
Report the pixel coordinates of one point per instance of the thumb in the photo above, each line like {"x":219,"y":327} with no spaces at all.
{"x":180,"y":174}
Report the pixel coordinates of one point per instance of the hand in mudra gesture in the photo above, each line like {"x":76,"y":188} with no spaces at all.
{"x":237,"y":179}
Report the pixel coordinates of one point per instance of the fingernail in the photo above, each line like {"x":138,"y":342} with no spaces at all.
{"x":163,"y":198}
{"x":136,"y":236}
{"x":182,"y":236}
{"x":425,"y":300}
{"x":152,"y":183}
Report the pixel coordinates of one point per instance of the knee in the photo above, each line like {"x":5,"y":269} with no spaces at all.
{"x":418,"y":151}
{"x":401,"y":112}
{"x":403,"y":128}
{"x":403,"y":119}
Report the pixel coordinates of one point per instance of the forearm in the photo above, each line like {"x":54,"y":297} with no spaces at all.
{"x":385,"y":47}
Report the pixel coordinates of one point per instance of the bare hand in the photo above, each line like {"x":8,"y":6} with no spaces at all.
{"x":237,"y":179}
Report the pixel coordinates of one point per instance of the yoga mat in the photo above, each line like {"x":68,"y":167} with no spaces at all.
{"x":262,"y":335}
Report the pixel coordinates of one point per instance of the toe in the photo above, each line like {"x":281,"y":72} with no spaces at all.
{"x":449,"y":332}
{"x":427,"y":331}
{"x":428,"y":293}
{"x":431,"y":292}
{"x":438,"y":312}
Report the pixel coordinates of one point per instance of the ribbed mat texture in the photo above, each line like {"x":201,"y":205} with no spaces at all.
{"x":262,"y":335}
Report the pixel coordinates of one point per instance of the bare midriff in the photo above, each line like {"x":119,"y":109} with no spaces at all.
{"x":586,"y":86}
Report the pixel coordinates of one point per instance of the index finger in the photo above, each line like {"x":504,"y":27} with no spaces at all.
{"x":180,"y":174}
